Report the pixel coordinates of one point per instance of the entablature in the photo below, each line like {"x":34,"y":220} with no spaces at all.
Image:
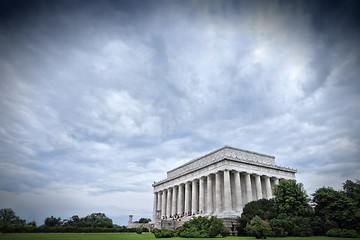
{"x":221,"y":154}
{"x":229,"y":164}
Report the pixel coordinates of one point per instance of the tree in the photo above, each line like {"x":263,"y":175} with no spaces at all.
{"x":258,"y":228}
{"x":52,"y":222}
{"x":352,"y":189}
{"x":97,"y":220}
{"x":264,"y":208}
{"x":335,"y":206}
{"x":291,"y":199}
{"x":302,"y":227}
{"x":8,"y":219}
{"x":94,"y":220}
{"x":31,"y":223}
{"x":74,"y":221}
{"x":293,"y":209}
{"x":318,"y":226}
{"x":143,"y":220}
{"x":217,"y":228}
{"x":30,"y":227}
{"x":281,"y":227}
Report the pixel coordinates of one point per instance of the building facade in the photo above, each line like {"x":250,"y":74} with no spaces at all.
{"x":219,"y":183}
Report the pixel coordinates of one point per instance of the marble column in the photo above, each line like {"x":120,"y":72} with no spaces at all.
{"x":159,"y":202}
{"x":268,"y":187}
{"x":276,"y":181}
{"x":187,"y":197}
{"x":155,"y":205}
{"x":218,"y":192}
{"x":195,"y":197}
{"x":273,"y":185}
{"x":168,"y":203}
{"x":258,"y":187}
{"x":180,"y":207}
{"x":163,"y":203}
{"x":202,"y":195}
{"x":248,"y":187}
{"x":209,"y":207}
{"x":174,"y":201}
{"x":238,"y":197}
{"x":227,"y":191}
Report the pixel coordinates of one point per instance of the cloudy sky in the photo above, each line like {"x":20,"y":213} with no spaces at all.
{"x":98,"y":99}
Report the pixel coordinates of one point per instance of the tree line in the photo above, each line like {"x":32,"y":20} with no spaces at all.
{"x":290,"y":213}
{"x":95,"y":222}
{"x":293,"y":213}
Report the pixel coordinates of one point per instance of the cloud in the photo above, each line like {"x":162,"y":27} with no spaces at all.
{"x":100,"y":99}
{"x":66,"y":201}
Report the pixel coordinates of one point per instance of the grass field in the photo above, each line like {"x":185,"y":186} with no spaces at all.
{"x":126,"y":236}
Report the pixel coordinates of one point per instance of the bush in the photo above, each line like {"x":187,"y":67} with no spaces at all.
{"x":155,"y":230}
{"x":279,"y":227}
{"x":192,"y":232}
{"x":258,"y":228}
{"x":202,"y":227}
{"x":139,"y":230}
{"x":163,"y":233}
{"x":217,"y":228}
{"x":336,"y":232}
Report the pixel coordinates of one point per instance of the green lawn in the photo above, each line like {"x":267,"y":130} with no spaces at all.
{"x":125,"y":236}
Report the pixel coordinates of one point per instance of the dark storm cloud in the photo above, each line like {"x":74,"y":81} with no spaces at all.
{"x":336,"y":35}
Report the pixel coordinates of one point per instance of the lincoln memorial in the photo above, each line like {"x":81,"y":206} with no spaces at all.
{"x":219,"y":183}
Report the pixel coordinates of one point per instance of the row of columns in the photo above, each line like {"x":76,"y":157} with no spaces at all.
{"x":200,"y":197}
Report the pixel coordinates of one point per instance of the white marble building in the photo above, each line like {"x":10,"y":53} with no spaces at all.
{"x":219,"y":183}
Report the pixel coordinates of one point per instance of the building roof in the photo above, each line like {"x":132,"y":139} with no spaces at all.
{"x":236,"y":152}
{"x":226,"y":152}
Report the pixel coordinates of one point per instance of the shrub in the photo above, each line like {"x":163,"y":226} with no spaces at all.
{"x":192,"y":232}
{"x":202,"y":227}
{"x":217,"y":228}
{"x":155,"y":230}
{"x":163,"y":233}
{"x":258,"y":228}
{"x":336,"y":232}
{"x":279,"y":227}
{"x":139,"y":230}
